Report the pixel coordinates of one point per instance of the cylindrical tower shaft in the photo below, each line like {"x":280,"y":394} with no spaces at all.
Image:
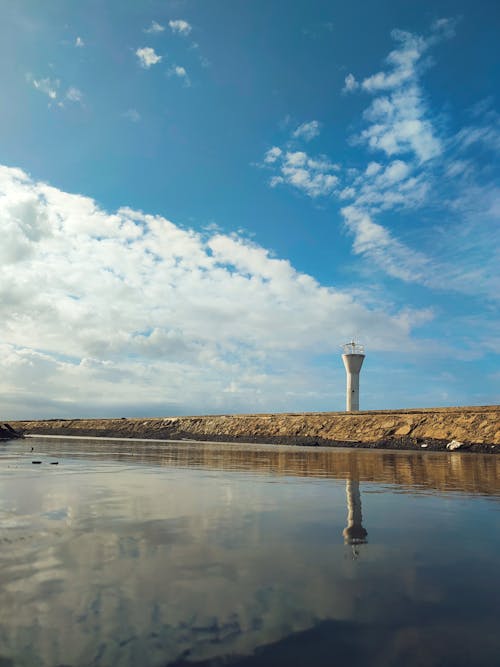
{"x":352,"y":392}
{"x":352,"y":363}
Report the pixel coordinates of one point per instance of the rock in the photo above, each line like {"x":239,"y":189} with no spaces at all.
{"x":8,"y":433}
{"x":424,"y":445}
{"x":454,"y":444}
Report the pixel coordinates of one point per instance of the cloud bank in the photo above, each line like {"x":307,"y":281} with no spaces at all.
{"x":113,"y":310}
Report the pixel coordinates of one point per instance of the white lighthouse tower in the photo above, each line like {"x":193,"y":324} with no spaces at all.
{"x":353,"y":357}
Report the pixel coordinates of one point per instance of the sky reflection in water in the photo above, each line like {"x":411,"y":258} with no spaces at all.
{"x":147,"y":554}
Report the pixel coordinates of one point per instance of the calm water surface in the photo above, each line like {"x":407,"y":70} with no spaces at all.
{"x":145,"y":554}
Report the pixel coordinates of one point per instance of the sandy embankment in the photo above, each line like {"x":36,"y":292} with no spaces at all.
{"x":478,"y":428}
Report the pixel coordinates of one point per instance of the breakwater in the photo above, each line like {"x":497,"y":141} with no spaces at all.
{"x":476,"y":428}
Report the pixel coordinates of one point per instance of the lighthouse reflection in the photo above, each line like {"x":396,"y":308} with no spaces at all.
{"x":354,"y":533}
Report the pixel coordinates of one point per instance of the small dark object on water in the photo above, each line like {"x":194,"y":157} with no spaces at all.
{"x":36,"y":462}
{"x":32,"y":448}
{"x":54,"y":463}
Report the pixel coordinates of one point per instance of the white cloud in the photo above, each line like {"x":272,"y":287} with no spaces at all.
{"x":46,"y":86}
{"x":147,"y":57}
{"x":180,"y":72}
{"x":398,"y":126}
{"x":155,"y":28}
{"x":487,"y":135}
{"x":74,"y":94}
{"x":312,"y":176}
{"x":347,"y":193}
{"x":373,"y":168}
{"x":402,"y":62}
{"x":132,"y":115}
{"x":398,"y":123}
{"x":398,"y":117}
{"x":272,"y":155}
{"x":307,"y":131}
{"x":443,"y":28}
{"x":79,"y":43}
{"x":388,"y":253}
{"x":133,"y":305}
{"x":276,"y":180}
{"x":413,"y":174}
{"x":180,"y":27}
{"x":350,"y":84}
{"x":51,"y":88}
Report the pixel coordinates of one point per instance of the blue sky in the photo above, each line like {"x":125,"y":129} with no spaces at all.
{"x":200,"y":201}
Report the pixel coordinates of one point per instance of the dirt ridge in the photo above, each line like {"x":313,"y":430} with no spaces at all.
{"x":477,"y":427}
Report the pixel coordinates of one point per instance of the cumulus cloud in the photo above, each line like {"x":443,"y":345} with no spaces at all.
{"x":125,"y":304}
{"x":79,"y":43}
{"x":307,"y":131}
{"x":147,"y":57}
{"x":180,"y":27}
{"x":314,"y":177}
{"x":155,"y":28}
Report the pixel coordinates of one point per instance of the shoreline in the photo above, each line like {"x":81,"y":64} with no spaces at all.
{"x":472,"y":429}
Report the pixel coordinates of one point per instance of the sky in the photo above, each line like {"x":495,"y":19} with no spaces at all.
{"x":200,"y":201}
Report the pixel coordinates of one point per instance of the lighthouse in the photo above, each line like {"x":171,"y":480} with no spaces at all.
{"x":353,"y":357}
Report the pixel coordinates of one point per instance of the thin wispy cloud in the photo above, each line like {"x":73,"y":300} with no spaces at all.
{"x":74,"y":94}
{"x":47,"y":86}
{"x":398,"y":120}
{"x":483,"y":132}
{"x":412,"y":157}
{"x":180,"y":27}
{"x":79,"y":43}
{"x":133,"y":115}
{"x":350,"y":84}
{"x":155,"y":28}
{"x":147,"y":57}
{"x":53,"y":90}
{"x":307,"y":131}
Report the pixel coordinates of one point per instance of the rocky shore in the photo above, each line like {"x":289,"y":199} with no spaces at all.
{"x":466,"y":428}
{"x":8,"y":433}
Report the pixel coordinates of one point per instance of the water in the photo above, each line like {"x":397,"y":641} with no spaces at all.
{"x":148,"y":554}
